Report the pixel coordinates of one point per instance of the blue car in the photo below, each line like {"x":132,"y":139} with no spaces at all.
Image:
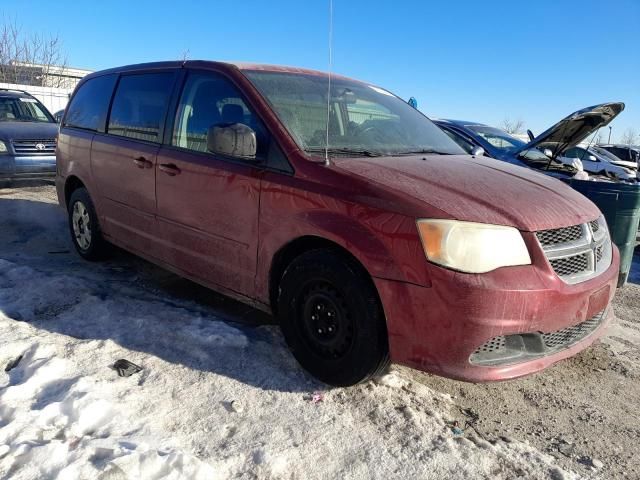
{"x":27,"y":137}
{"x":545,"y":151}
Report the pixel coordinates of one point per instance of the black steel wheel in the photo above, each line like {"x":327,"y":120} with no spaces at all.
{"x":331,"y":318}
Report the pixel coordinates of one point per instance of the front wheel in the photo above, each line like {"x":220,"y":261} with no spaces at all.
{"x":331,"y":318}
{"x":84,"y":227}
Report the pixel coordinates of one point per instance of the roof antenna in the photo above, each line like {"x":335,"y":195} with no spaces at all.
{"x":326,"y":146}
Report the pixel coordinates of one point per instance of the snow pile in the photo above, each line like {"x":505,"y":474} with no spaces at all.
{"x":212,"y":401}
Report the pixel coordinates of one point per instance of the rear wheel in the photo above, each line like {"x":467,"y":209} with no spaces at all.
{"x":84,"y":227}
{"x":331,"y":318}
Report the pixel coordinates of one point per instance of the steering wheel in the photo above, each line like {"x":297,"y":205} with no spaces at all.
{"x":371,"y":132}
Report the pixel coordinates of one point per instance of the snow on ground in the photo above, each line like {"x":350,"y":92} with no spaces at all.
{"x":215,"y":399}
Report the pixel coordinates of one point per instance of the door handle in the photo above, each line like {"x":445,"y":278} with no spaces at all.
{"x":142,"y":162}
{"x":169,"y":168}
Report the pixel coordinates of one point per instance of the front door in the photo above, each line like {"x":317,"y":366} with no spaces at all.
{"x":208,"y":204}
{"x":123,"y":159}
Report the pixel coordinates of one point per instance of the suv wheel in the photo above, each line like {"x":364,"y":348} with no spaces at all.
{"x":84,"y":226}
{"x":332,"y":320}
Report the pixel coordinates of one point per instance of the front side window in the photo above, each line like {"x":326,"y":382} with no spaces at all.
{"x":577,"y":152}
{"x":466,"y":146}
{"x":89,"y":105}
{"x":139,"y":106}
{"x":363,"y":119}
{"x":210,"y":100}
{"x":23,"y":109}
{"x":574,"y":153}
{"x":497,"y":138}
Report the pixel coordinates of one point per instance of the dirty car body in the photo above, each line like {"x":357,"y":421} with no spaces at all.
{"x":27,"y":137}
{"x":481,"y":270}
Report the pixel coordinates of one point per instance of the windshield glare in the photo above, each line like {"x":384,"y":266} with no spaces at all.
{"x":363,"y":119}
{"x":21,"y":109}
{"x":498,"y":138}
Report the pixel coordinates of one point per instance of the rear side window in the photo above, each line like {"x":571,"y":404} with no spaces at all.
{"x":139,"y":106}
{"x":88,"y":107}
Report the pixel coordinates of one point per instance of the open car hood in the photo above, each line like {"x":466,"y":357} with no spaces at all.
{"x":573,"y":129}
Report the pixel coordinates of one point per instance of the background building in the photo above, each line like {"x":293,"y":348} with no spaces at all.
{"x":50,"y":84}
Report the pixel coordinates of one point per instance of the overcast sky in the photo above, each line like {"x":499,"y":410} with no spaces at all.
{"x":536,"y":60}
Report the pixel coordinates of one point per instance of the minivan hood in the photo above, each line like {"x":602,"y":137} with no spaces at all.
{"x":477,"y":189}
{"x":573,"y":129}
{"x":28,"y":130}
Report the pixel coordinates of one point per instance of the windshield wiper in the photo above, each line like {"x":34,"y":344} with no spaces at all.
{"x":345,"y":151}
{"x":422,"y":151}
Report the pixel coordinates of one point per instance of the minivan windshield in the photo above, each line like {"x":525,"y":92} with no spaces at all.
{"x":364,"y":120}
{"x":23,"y":109}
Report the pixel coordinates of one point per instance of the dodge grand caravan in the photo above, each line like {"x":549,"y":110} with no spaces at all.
{"x":345,"y":212}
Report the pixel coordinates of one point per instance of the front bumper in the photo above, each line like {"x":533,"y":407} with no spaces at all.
{"x":437,"y":329}
{"x":19,"y":166}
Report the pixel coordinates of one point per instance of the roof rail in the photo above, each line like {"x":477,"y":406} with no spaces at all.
{"x":3,"y":89}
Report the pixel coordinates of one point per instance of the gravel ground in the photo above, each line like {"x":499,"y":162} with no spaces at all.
{"x":583,"y":411}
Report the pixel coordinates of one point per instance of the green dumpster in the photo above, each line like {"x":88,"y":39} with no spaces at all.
{"x":620,"y":204}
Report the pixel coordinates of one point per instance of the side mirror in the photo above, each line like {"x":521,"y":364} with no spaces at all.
{"x":234,"y":140}
{"x":477,"y":151}
{"x":592,"y":158}
{"x":548,"y":152}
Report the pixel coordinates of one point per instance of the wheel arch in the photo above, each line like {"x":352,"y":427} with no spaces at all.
{"x":71,"y":184}
{"x":298,"y":246}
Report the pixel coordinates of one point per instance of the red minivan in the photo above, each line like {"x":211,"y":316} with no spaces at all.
{"x":342,"y":210}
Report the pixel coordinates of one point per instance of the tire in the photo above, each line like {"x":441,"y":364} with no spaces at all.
{"x":331,"y":318}
{"x":85,"y":228}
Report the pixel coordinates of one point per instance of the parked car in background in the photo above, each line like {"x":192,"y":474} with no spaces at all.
{"x":612,"y":158}
{"x":599,"y":164}
{"x":372,"y":238}
{"x":629,"y":153}
{"x":498,"y":144}
{"x":58,"y":115}
{"x":27,"y":137}
{"x":544,"y":152}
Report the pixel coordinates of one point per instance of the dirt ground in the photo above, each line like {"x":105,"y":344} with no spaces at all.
{"x":582,"y":411}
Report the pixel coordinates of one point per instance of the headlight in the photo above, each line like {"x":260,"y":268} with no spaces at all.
{"x":472,"y":247}
{"x":3,"y":147}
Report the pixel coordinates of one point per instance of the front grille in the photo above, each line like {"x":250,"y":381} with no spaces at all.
{"x":35,"y":147}
{"x":560,"y":235}
{"x":579,"y":252}
{"x":493,"y":345}
{"x":510,"y":349}
{"x":565,"y":267}
{"x":570,"y":335}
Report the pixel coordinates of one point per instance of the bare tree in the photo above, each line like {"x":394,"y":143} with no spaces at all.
{"x":598,"y":139}
{"x":512,"y":126}
{"x":629,"y":137}
{"x":30,"y":59}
